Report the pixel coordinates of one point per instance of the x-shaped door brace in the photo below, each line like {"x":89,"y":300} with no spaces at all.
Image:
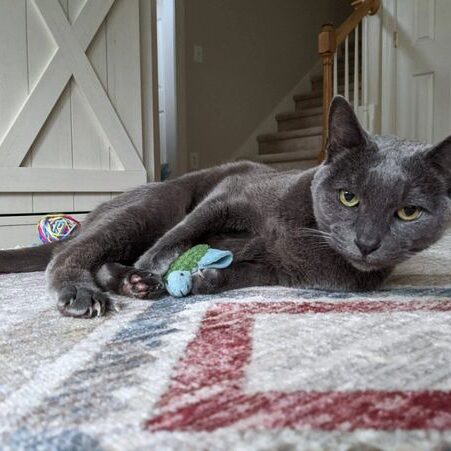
{"x":70,"y":59}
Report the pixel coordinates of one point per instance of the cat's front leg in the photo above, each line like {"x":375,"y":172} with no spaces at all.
{"x":70,"y":274}
{"x":157,"y":260}
{"x":74,"y":288}
{"x":210,"y":216}
{"x":215,"y":214}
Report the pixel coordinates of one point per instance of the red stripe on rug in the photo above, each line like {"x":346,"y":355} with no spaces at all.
{"x":205,"y":392}
{"x":326,"y":411}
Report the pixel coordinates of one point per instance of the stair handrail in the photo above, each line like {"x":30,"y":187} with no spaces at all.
{"x":329,"y":40}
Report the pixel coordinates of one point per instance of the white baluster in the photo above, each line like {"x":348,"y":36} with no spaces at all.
{"x":365,"y":62}
{"x":335,"y":73}
{"x":347,"y":68}
{"x":356,"y":68}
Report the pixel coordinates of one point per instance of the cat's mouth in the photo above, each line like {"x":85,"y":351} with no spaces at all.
{"x":375,"y":261}
{"x":363,"y":264}
{"x":372,"y":262}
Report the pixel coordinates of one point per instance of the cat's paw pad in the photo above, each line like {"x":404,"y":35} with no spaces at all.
{"x":82,"y":302}
{"x":139,"y":284}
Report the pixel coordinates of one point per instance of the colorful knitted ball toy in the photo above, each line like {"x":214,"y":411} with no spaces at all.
{"x":56,"y":227}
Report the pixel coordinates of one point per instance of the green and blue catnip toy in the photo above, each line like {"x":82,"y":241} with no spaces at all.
{"x":178,"y":279}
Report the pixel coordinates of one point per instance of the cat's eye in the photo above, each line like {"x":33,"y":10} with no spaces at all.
{"x":348,"y":199}
{"x":409,"y":213}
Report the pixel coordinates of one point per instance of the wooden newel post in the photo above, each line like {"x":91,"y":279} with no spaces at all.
{"x":327,"y":44}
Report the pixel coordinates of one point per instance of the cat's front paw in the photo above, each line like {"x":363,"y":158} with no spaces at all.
{"x":82,"y":302}
{"x":129,"y":281}
{"x":141,"y":285}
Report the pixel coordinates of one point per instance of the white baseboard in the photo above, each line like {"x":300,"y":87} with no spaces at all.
{"x":249,"y":148}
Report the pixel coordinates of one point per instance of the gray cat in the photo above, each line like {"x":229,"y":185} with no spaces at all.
{"x":344,"y":225}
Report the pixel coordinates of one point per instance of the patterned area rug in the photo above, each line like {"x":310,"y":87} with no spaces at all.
{"x":255,"y":369}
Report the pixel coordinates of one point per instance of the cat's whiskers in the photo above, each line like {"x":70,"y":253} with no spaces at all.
{"x":310,"y":229}
{"x":315,"y":233}
{"x":319,"y":240}
{"x":319,"y":244}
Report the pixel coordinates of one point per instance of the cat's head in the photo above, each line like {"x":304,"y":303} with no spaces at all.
{"x":380,"y":199}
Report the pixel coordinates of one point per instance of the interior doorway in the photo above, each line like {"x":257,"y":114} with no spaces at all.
{"x":167,"y":103}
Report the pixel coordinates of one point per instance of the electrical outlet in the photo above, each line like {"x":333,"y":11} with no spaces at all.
{"x":198,"y":54}
{"x":194,"y":161}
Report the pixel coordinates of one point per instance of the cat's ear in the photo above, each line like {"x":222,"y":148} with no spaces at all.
{"x":345,"y":131}
{"x":439,"y":157}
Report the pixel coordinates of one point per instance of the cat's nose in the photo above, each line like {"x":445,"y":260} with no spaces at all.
{"x":367,"y":246}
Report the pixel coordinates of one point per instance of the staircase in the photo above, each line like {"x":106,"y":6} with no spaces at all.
{"x":297,"y":142}
{"x":301,"y":136}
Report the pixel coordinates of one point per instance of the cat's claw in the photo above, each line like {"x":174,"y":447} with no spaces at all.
{"x":82,"y":302}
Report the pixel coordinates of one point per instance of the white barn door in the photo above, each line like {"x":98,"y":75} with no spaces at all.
{"x":422,"y":102}
{"x":71,"y":104}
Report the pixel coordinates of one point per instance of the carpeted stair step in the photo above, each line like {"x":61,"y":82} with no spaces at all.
{"x":317,"y":82}
{"x":311,"y":100}
{"x":315,"y":99}
{"x":341,"y":75}
{"x":310,"y":117}
{"x":304,"y":140}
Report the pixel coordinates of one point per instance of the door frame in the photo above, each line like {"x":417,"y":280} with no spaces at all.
{"x":180,"y":76}
{"x":388,"y":65}
{"x":149,"y":89}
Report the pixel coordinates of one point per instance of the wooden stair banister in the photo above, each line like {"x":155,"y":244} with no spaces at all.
{"x":327,"y":44}
{"x":367,"y":7}
{"x":328,"y":41}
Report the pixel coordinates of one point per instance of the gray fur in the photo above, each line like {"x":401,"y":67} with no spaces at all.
{"x":286,"y":228}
